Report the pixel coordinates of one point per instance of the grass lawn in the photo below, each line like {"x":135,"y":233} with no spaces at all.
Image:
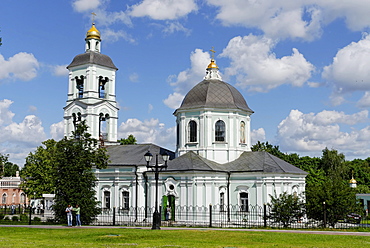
{"x":121,"y":237}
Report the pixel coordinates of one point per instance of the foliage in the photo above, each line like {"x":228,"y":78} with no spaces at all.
{"x":7,"y":169}
{"x":65,"y":168}
{"x":73,"y":175}
{"x":286,"y":209}
{"x":131,"y":140}
{"x":15,"y":218}
{"x":38,"y":171}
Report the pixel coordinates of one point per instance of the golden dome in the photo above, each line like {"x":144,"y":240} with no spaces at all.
{"x":352,"y":181}
{"x":212,"y":64}
{"x":93,"y":33}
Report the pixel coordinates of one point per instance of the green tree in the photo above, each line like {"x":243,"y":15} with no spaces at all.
{"x":74,"y":178}
{"x":131,"y":140}
{"x":38,"y":170}
{"x":332,"y":189}
{"x":274,"y":150}
{"x":7,"y":169}
{"x":286,"y":209}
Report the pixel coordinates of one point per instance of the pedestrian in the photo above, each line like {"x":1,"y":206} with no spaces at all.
{"x":77,"y":209}
{"x":13,"y":208}
{"x":69,"y":215}
{"x":168,"y":212}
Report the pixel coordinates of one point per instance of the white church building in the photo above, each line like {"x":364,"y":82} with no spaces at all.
{"x":213,"y":163}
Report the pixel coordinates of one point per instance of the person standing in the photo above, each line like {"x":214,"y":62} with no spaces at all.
{"x":77,"y":209}
{"x":69,"y":215}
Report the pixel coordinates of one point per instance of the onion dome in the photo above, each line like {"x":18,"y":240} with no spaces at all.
{"x":212,"y":64}
{"x":352,"y":181}
{"x":93,"y":33}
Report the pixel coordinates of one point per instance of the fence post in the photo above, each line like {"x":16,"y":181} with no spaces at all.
{"x":114,"y":216}
{"x":264,"y":215}
{"x":324,"y":205}
{"x":29,"y":220}
{"x":210,"y":215}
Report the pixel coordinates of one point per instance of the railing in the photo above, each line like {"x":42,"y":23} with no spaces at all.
{"x":216,"y":216}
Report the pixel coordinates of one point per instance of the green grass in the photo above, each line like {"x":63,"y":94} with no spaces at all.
{"x":122,"y":237}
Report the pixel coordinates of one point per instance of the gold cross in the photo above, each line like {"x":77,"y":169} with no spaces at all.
{"x":213,"y":52}
{"x":93,"y":17}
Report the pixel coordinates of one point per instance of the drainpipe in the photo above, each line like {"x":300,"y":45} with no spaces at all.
{"x":136,"y":192}
{"x":228,"y":195}
{"x":146,"y":194}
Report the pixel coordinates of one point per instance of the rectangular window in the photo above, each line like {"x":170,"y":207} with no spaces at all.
{"x":125,"y":200}
{"x":244,"y":202}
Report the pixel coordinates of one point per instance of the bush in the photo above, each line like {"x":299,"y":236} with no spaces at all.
{"x":15,"y":218}
{"x":37,"y":219}
{"x":2,"y":216}
{"x":23,"y":217}
{"x":6,"y":218}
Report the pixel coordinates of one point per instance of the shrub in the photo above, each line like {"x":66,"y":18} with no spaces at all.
{"x":2,"y":216}
{"x":15,"y":218}
{"x":23,"y":217}
{"x":37,"y":219}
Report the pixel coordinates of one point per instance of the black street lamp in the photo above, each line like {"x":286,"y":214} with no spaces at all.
{"x":156,"y":169}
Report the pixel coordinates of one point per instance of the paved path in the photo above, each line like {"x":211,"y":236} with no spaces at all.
{"x":201,"y":229}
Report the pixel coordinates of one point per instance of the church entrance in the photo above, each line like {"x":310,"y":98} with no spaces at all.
{"x":168,"y":203}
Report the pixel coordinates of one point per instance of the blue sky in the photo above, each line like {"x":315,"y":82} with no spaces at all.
{"x":303,"y":66}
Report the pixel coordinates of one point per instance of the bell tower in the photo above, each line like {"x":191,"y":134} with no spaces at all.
{"x":92,"y":92}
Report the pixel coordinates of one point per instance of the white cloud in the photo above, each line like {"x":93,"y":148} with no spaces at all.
{"x":134,"y":77}
{"x":21,"y":66}
{"x":18,"y":139}
{"x":85,"y":5}
{"x":302,"y":19}
{"x":258,"y":135}
{"x":172,"y":27}
{"x":187,"y":79}
{"x":257,"y":67}
{"x":148,"y":131}
{"x":301,"y":132}
{"x":57,"y":130}
{"x":60,"y":70}
{"x":350,"y":68}
{"x":163,"y":9}
{"x":110,"y":35}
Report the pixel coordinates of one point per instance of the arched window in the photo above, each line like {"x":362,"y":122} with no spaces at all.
{"x":80,"y":86}
{"x":222,"y":201}
{"x":106,"y":199}
{"x":125,"y":200}
{"x":102,"y":82}
{"x":177,"y":134}
{"x":192,"y":131}
{"x":3,"y":198}
{"x":23,"y":198}
{"x":243,"y":201}
{"x":103,"y":132}
{"x":220,"y":131}
{"x":242,"y":132}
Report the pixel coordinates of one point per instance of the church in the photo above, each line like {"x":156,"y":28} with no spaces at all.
{"x":213,"y":163}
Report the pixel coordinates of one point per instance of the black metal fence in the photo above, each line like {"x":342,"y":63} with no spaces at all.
{"x":217,"y":216}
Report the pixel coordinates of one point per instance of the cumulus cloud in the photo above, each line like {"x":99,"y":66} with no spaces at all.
{"x":85,"y":5}
{"x":163,"y":10}
{"x":172,"y":27}
{"x":148,"y":131}
{"x":21,"y":66}
{"x":258,"y":135}
{"x":112,"y":36}
{"x":303,"y":19}
{"x":57,"y":130}
{"x":311,"y":132}
{"x":18,"y":139}
{"x":257,"y":67}
{"x":349,"y":70}
{"x":188,"y":78}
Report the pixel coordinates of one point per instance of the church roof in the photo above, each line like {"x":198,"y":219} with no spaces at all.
{"x":91,"y":57}
{"x":213,"y":93}
{"x":132,"y":155}
{"x":247,"y":162}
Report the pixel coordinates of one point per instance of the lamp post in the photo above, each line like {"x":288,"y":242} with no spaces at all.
{"x":156,"y":169}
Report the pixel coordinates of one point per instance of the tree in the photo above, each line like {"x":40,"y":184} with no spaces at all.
{"x":332,"y":189}
{"x":74,"y":178}
{"x":65,"y":168}
{"x":38,"y":171}
{"x":131,"y":140}
{"x":7,"y":169}
{"x":286,"y":209}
